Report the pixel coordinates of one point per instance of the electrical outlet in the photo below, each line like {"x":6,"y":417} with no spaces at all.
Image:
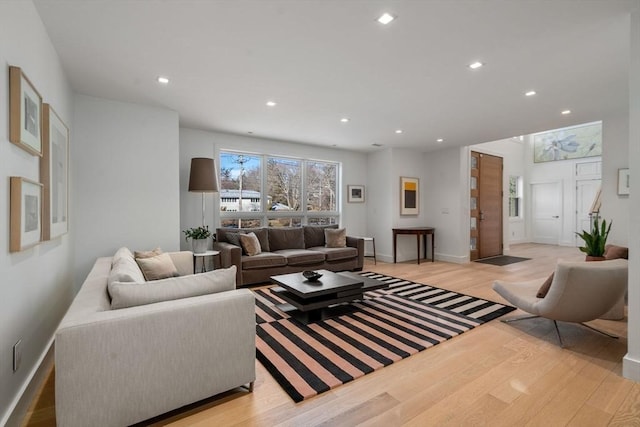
{"x":17,"y":355}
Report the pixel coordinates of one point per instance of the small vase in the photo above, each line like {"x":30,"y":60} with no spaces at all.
{"x":594,"y":258}
{"x":199,"y":245}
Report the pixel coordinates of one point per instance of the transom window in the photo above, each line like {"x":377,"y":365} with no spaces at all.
{"x":260,"y":190}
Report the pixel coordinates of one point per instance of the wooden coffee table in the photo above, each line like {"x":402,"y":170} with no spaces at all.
{"x":307,"y":301}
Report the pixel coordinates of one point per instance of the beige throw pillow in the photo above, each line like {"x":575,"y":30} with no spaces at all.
{"x":335,"y":238}
{"x":147,"y":254}
{"x":250,"y":244}
{"x":157,"y":267}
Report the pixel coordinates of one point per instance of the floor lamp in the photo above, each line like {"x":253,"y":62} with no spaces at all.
{"x":203,"y":178}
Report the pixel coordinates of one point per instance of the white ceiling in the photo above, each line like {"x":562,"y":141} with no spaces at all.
{"x":321,"y":60}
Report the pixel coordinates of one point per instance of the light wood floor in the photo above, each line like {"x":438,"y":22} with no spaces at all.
{"x":498,"y":374}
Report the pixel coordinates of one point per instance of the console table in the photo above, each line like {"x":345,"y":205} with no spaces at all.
{"x":417,"y":231}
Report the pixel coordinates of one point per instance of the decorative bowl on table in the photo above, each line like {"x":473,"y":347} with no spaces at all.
{"x":311,"y":275}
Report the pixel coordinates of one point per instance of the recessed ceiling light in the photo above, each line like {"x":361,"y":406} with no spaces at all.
{"x":398,"y":130}
{"x":250,"y":133}
{"x":530,"y":93}
{"x":385,"y":18}
{"x":439,"y":140}
{"x":375,"y":144}
{"x":565,"y":112}
{"x":344,"y":120}
{"x":163,"y":80}
{"x":475,"y":65}
{"x":271,"y":104}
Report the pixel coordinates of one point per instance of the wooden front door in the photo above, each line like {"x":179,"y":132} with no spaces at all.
{"x":486,"y":205}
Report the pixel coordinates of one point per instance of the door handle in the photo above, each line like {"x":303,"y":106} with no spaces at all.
{"x":556,"y":216}
{"x":481,"y":216}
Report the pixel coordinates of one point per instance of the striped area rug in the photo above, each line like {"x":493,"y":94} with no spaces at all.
{"x":386,"y":326}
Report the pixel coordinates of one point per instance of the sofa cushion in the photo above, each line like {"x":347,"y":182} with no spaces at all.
{"x":232,"y":235}
{"x":336,"y":254}
{"x":286,"y":238}
{"x":133,"y":294}
{"x":250,"y":244}
{"x":302,"y":256}
{"x":263,"y":260}
{"x":125,"y":269}
{"x":335,"y":238}
{"x":123,"y":252}
{"x":314,"y":234}
{"x":157,"y":267}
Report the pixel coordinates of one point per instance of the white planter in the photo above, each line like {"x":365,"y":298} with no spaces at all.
{"x":199,"y":245}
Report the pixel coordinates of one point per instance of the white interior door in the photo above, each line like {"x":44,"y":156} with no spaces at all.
{"x":586,"y":190}
{"x":546,"y":206}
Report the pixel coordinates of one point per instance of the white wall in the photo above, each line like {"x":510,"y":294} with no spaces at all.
{"x":126,"y":192}
{"x":631,"y":362}
{"x":196,"y":143}
{"x":36,"y":286}
{"x":446,"y":198}
{"x":615,"y":135}
{"x":380,"y":205}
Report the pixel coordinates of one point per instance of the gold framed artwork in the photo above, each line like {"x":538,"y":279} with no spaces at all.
{"x":409,"y":196}
{"x":355,"y":193}
{"x":26,"y":214}
{"x":25,"y":113}
{"x":54,"y":174}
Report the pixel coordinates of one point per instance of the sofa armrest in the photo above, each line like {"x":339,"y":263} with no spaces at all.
{"x":171,"y":353}
{"x":183,"y":261}
{"x":358,"y":243}
{"x":230,"y":255}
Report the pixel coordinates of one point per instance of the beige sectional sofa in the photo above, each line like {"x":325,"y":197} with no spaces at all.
{"x":166,"y":349}
{"x":286,"y":250}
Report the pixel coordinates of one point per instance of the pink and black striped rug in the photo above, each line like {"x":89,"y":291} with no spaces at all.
{"x":386,"y":326}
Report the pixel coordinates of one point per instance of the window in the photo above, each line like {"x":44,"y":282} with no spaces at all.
{"x":515,"y":196}
{"x":296,"y":191}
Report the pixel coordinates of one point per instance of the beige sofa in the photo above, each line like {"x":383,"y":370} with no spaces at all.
{"x":116,"y":367}
{"x":286,"y":250}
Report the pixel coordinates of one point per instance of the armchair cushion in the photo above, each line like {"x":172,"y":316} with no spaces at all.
{"x":133,"y":294}
{"x":542,"y":292}
{"x":615,"y":252}
{"x":125,"y":269}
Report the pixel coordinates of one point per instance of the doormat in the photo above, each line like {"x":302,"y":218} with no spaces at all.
{"x":388,"y":325}
{"x":502,"y":260}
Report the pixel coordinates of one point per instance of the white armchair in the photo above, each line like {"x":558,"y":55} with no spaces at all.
{"x":579,"y":292}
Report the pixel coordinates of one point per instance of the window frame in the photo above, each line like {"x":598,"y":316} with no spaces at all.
{"x":264,"y":214}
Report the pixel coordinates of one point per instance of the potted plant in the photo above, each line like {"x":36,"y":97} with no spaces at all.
{"x":595,"y":241}
{"x":199,"y":238}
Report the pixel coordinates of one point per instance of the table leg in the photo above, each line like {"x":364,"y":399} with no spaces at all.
{"x":433,"y":247}
{"x":424,"y":241}
{"x":418,"y":242}
{"x":395,"y":238}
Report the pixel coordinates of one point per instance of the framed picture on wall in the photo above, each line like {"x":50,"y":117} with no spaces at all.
{"x":623,"y":182}
{"x":568,"y":143}
{"x":355,"y":193}
{"x":25,"y":113}
{"x":409,"y":196}
{"x":26,"y":214}
{"x":54,"y":173}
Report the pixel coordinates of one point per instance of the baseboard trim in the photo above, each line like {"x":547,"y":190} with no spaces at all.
{"x":439,"y":257}
{"x":21,"y":403}
{"x":631,"y":368}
